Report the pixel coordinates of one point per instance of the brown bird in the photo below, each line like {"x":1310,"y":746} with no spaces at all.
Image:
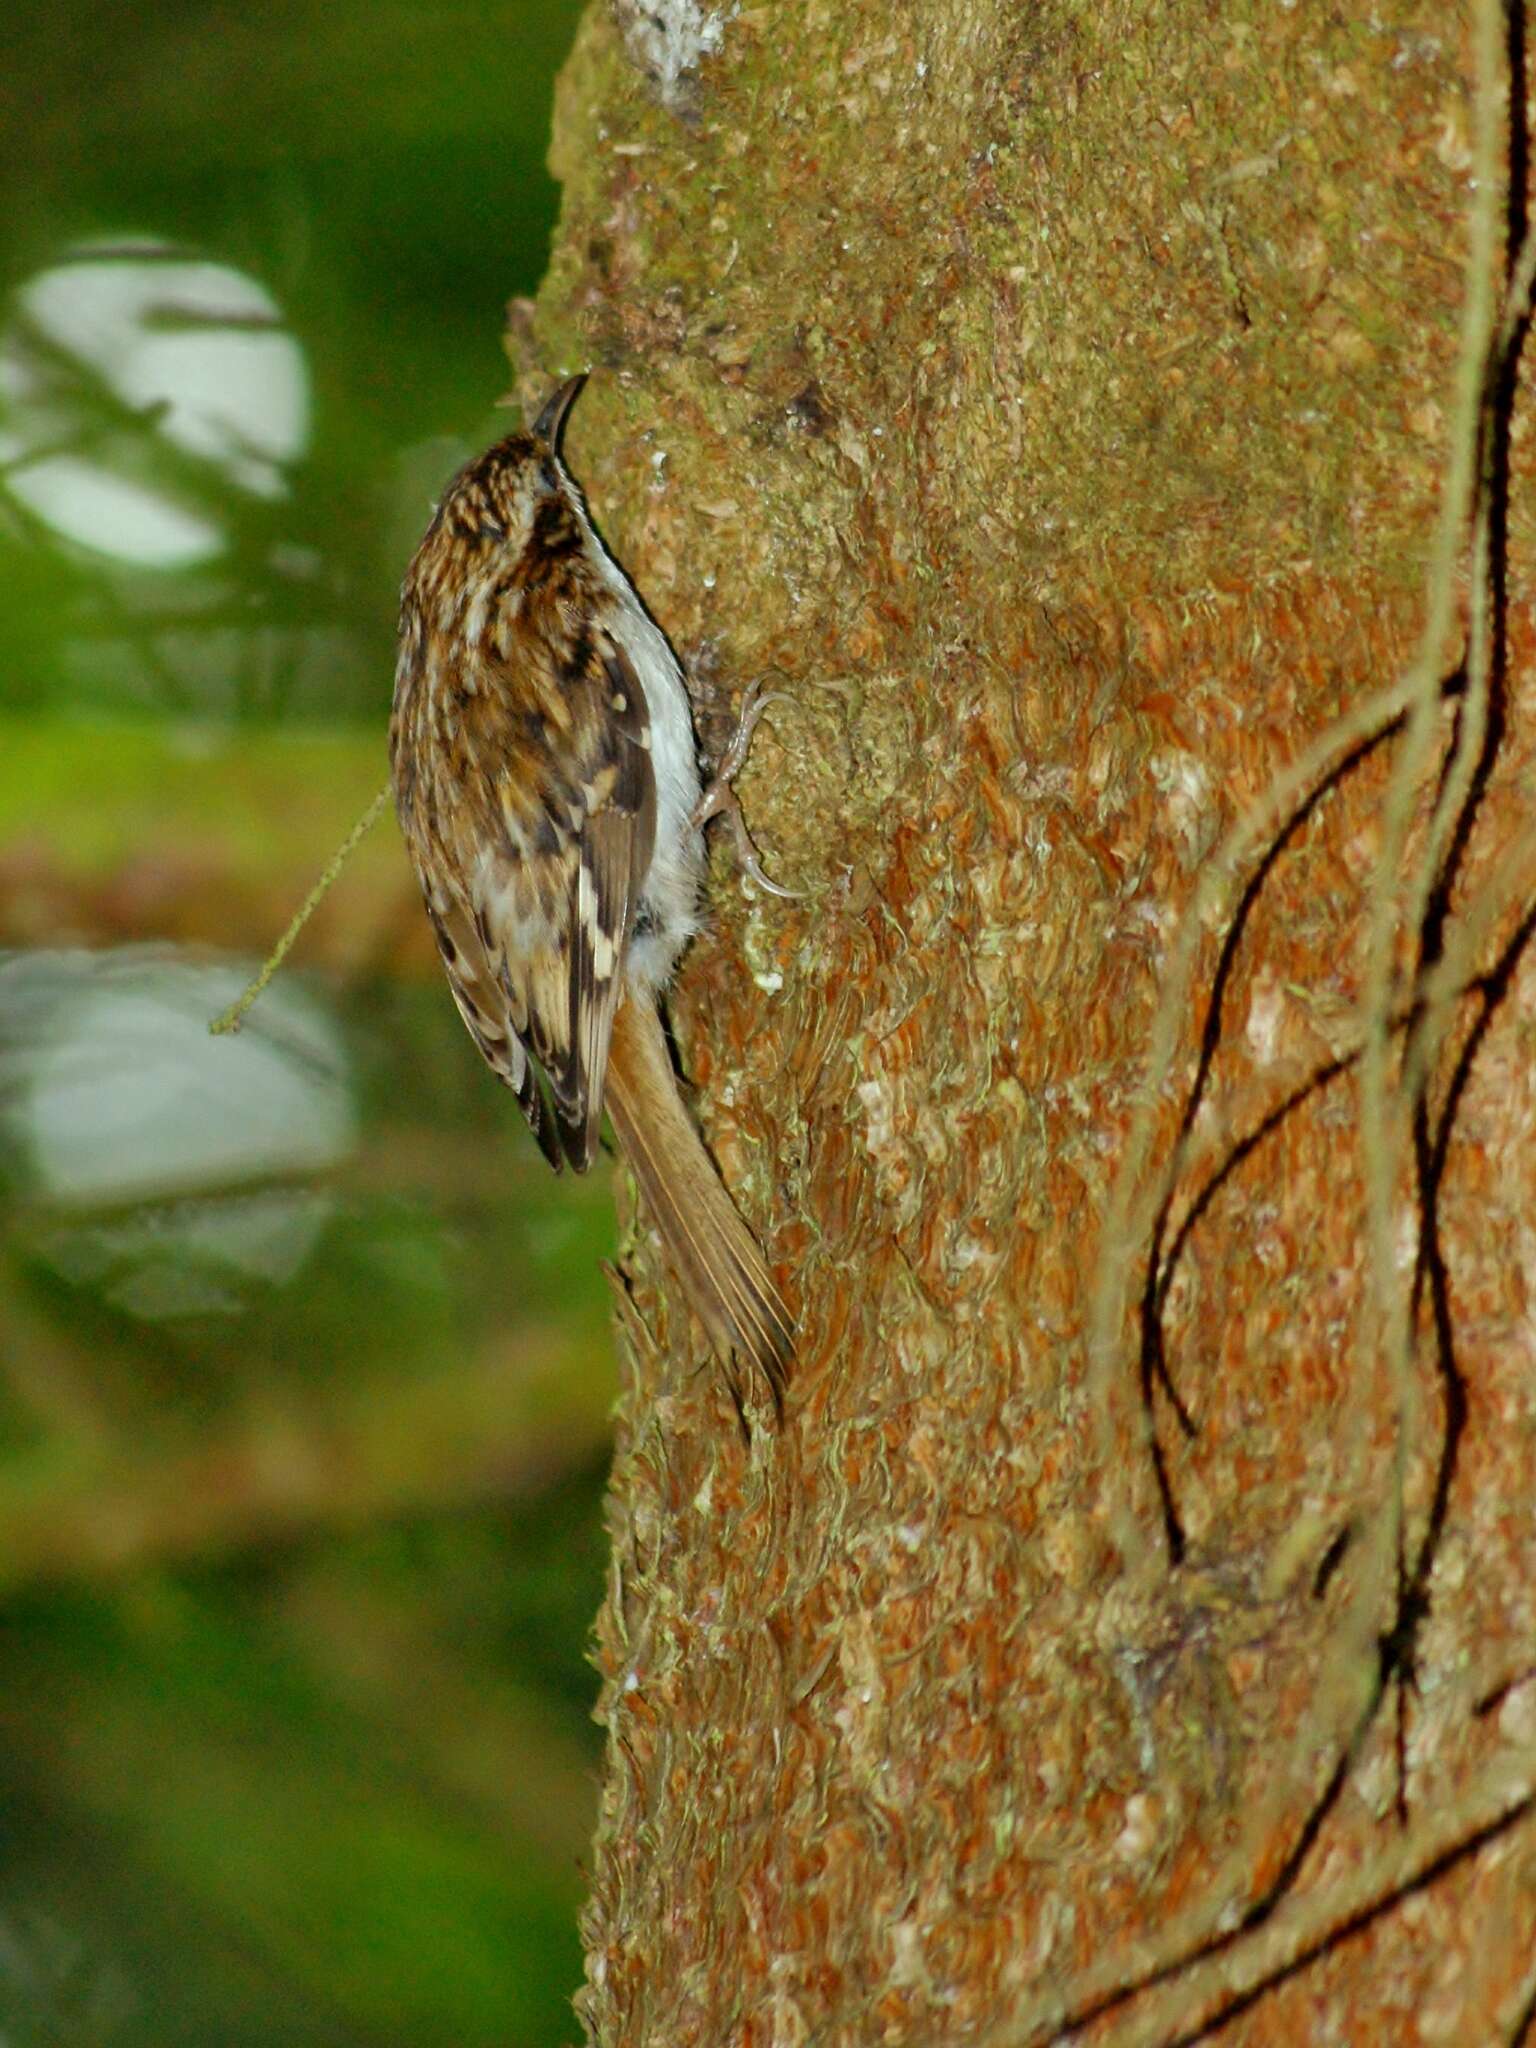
{"x":547,"y":784}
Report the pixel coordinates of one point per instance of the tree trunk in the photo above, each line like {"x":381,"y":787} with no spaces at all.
{"x":1074,"y":412}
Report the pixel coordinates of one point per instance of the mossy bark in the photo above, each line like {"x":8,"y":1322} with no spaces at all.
{"x":1054,"y":403}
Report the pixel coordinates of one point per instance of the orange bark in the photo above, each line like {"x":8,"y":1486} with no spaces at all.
{"x":1056,"y":404}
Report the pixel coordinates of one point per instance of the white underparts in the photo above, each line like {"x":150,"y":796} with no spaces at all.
{"x":669,"y":897}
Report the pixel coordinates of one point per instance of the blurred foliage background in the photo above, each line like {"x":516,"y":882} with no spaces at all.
{"x":304,"y":1356}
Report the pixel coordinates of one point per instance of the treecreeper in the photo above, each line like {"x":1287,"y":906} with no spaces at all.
{"x":547,"y":782}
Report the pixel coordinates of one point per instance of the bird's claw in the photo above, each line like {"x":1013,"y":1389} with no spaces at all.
{"x":719,"y":798}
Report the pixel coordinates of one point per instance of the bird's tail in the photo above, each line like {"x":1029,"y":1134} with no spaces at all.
{"x":722,"y":1271}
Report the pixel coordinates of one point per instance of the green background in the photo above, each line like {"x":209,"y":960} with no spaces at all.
{"x":304,"y":1358}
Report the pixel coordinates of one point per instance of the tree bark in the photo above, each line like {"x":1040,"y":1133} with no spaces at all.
{"x":1075,"y":412}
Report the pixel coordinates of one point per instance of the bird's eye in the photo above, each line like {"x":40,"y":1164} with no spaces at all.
{"x":491,"y":530}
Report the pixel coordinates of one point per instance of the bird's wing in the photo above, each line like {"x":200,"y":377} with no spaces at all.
{"x":546,"y":854}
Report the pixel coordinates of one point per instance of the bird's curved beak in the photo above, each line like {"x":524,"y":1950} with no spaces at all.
{"x":550,"y":423}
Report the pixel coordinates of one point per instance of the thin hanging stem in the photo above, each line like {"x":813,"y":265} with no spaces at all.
{"x":229,"y":1021}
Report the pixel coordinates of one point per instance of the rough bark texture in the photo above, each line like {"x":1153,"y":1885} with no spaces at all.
{"x":1055,"y":402}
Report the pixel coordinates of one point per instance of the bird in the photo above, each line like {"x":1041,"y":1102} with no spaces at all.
{"x":546,"y":779}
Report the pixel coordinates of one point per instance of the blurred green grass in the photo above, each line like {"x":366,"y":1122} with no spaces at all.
{"x":296,"y":1566}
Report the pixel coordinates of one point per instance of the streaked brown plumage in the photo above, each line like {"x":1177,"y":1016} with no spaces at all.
{"x":547,"y":787}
